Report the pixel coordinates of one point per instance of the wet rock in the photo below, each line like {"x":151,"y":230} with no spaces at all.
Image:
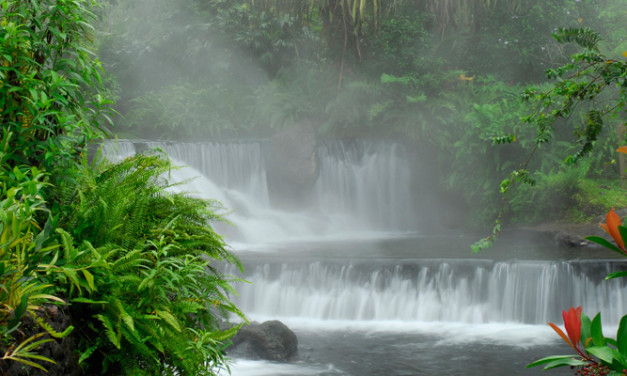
{"x":62,"y":351}
{"x":271,"y":340}
{"x":566,"y":239}
{"x":567,"y":235}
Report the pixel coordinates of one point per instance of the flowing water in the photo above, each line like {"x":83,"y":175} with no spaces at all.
{"x":367,"y":288}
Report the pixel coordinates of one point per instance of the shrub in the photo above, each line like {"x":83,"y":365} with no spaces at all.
{"x":150,"y":299}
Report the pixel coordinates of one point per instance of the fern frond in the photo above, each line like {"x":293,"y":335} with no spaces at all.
{"x":223,"y":335}
{"x":129,"y":261}
{"x":88,"y":301}
{"x":148,"y":252}
{"x":86,"y":354}
{"x":111,"y":332}
{"x":584,"y":37}
{"x":50,"y":330}
{"x":169,"y":318}
{"x":122,"y":313}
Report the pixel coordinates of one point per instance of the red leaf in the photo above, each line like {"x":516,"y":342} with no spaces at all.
{"x":611,"y":227}
{"x":562,"y":334}
{"x":572,"y":323}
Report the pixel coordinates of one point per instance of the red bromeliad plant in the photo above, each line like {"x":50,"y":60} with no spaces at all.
{"x":596,"y":354}
{"x":600,"y":355}
{"x":572,"y":323}
{"x":617,"y":231}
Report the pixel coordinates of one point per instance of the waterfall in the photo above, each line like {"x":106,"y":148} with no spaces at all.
{"x":371,"y":181}
{"x":364,"y":190}
{"x":468,"y":291}
{"x":363,"y":187}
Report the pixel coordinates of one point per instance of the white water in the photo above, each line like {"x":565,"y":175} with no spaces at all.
{"x":444,"y":291}
{"x":362,"y":191}
{"x":359,"y":299}
{"x":368,"y":184}
{"x":422,"y":316}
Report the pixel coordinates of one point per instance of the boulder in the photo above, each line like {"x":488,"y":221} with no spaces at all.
{"x":568,"y":239}
{"x":271,"y":340}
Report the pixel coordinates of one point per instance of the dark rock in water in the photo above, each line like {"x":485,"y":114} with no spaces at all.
{"x":62,"y":351}
{"x":292,"y":165}
{"x":271,"y":340}
{"x":566,"y":239}
{"x":569,"y":235}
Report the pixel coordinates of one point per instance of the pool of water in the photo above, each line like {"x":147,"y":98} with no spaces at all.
{"x":396,"y":348}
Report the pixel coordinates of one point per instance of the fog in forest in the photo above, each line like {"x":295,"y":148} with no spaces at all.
{"x":360,"y":148}
{"x":441,"y":79}
{"x":313,"y":188}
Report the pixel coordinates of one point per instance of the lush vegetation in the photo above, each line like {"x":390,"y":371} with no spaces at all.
{"x":595,"y":353}
{"x":134,"y":264}
{"x":582,"y":86}
{"x":591,"y":87}
{"x":130,"y":262}
{"x":445,"y":77}
{"x":149,"y":283}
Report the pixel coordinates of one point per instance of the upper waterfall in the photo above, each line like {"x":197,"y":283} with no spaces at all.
{"x":363,"y":188}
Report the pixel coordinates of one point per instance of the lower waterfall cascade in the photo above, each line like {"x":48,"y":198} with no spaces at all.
{"x":475,"y":292}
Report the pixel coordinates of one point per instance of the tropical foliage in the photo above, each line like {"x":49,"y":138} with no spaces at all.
{"x":24,"y":288}
{"x":47,"y":119}
{"x":50,"y":83}
{"x":108,"y":243}
{"x":596,"y":354}
{"x":149,"y":300}
{"x":411,"y":70}
{"x":592,"y":88}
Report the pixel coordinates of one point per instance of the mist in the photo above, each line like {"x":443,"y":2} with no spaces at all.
{"x":358,"y":152}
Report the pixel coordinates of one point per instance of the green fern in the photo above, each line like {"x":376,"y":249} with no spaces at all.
{"x":151,"y":255}
{"x":110,"y":330}
{"x":129,"y":261}
{"x":584,"y":37}
{"x":50,"y":330}
{"x":86,"y":354}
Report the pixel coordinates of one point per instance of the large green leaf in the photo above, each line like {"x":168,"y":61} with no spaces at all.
{"x":604,"y":353}
{"x":596,"y":331}
{"x":585,"y":328}
{"x":602,"y":241}
{"x":623,"y":232}
{"x":554,"y":361}
{"x":572,"y":362}
{"x":618,"y":274}
{"x":621,"y":336}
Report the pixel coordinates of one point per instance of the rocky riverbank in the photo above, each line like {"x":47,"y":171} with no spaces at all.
{"x":572,"y":234}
